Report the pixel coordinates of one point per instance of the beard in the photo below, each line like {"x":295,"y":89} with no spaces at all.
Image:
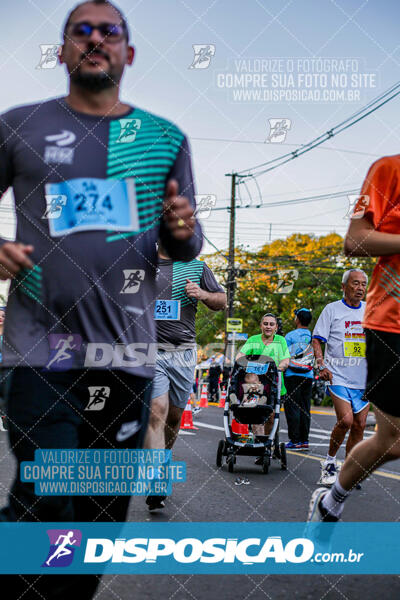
{"x":95,"y":82}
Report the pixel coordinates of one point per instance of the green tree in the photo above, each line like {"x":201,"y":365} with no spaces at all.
{"x":310,"y":267}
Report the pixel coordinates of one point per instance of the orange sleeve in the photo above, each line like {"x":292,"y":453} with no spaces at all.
{"x":379,"y":193}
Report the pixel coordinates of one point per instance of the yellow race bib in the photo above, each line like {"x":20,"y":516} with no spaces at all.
{"x":354,"y":349}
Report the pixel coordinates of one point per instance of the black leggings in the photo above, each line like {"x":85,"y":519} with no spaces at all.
{"x":297,"y":407}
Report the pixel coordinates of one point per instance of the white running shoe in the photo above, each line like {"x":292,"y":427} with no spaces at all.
{"x":329,"y":473}
{"x":316,"y":511}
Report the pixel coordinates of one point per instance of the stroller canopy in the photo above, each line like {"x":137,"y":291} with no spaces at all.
{"x":262,"y":366}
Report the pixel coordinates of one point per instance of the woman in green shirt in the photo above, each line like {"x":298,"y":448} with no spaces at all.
{"x":275,"y":346}
{"x":269,"y":344}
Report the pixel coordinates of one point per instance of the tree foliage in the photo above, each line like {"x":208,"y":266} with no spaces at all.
{"x":318,"y":263}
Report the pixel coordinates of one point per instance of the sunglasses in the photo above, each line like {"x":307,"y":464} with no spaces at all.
{"x":110,"y":31}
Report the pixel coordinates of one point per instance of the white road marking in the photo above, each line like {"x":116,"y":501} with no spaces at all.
{"x":313,"y":444}
{"x":383,"y":473}
{"x":328,"y":431}
{"x":316,"y":435}
{"x":208,"y":426}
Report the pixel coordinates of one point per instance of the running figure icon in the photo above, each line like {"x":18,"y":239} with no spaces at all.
{"x":129,"y":129}
{"x":98,"y":398}
{"x":63,"y":345}
{"x":62,"y":550}
{"x":49,"y":56}
{"x":203,"y":54}
{"x":133,"y":279}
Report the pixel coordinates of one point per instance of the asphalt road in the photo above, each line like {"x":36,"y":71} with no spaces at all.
{"x":210,"y":494}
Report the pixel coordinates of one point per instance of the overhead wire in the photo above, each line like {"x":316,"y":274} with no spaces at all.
{"x":345,"y":150}
{"x":306,"y":199}
{"x":379,"y":101}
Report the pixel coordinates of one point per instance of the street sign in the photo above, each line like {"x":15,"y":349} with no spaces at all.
{"x":234,"y":325}
{"x":237,"y":337}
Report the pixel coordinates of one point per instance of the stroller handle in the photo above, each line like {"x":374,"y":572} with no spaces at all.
{"x":277,"y":408}
{"x":279,"y":384}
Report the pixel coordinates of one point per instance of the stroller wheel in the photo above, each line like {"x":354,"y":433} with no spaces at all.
{"x":277,"y":452}
{"x":220,"y":452}
{"x":265,"y":464}
{"x":282,"y":449}
{"x":230,"y":464}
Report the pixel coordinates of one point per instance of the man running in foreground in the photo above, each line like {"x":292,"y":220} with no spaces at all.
{"x":374,"y":231}
{"x":118,"y":195}
{"x":180,"y":286}
{"x":339,"y":327}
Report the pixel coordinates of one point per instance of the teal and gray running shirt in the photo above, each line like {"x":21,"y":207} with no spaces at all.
{"x":175,"y":311}
{"x":88,"y":194}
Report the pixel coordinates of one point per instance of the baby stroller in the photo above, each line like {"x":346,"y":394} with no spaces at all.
{"x":248,"y":407}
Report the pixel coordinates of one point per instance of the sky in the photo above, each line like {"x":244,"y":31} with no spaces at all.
{"x":347,"y":49}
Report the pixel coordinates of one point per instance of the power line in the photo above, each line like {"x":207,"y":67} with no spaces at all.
{"x":214,"y":246}
{"x":349,"y":122}
{"x":347,"y":151}
{"x":10,"y":209}
{"x":296,"y":200}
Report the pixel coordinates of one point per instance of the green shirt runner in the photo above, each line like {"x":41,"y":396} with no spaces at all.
{"x":277,"y":350}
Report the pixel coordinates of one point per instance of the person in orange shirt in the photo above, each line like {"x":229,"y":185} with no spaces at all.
{"x":374,"y":231}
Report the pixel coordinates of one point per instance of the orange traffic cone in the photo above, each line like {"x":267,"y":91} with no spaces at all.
{"x":187,"y":418}
{"x":222,"y":399}
{"x":239,"y":429}
{"x":203,"y":396}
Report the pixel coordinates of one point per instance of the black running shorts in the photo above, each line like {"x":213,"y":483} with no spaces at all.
{"x":383,"y":379}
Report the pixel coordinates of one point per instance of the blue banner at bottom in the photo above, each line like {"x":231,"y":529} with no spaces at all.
{"x":200,"y":548}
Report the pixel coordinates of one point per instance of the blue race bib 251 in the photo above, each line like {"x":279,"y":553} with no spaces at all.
{"x":167,"y":310}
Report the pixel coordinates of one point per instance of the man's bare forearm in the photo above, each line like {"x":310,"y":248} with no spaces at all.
{"x":319,"y":357}
{"x":214,"y":300}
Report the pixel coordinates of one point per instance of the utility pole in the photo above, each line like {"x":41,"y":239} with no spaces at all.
{"x":231,"y":281}
{"x":231,"y":256}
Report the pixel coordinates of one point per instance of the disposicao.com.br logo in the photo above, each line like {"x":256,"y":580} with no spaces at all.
{"x":62,"y":547}
{"x":199,"y":547}
{"x":247,"y":551}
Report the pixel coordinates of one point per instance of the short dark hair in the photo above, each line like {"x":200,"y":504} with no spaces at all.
{"x":99,"y":3}
{"x":304,"y":316}
{"x":279,"y":322}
